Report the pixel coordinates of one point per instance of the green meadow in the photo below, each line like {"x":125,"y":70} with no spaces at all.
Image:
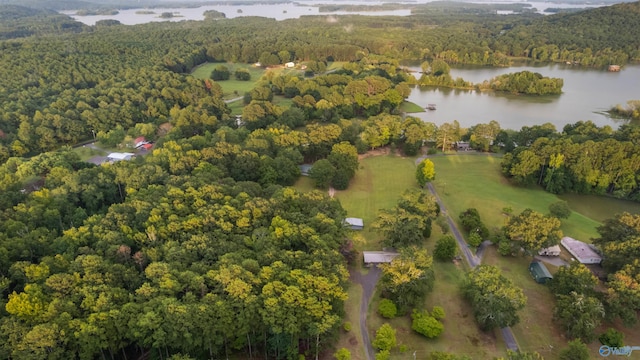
{"x":464,"y":181}
{"x":475,"y":181}
{"x":232,"y":88}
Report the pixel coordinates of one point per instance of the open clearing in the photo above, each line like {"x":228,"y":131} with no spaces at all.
{"x":465,"y":181}
{"x":409,"y":107}
{"x":377,"y":185}
{"x":475,"y":181}
{"x":232,"y":88}
{"x":461,"y":333}
{"x":352,"y":339}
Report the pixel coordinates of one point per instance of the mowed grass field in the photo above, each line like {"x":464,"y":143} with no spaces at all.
{"x":232,"y":88}
{"x":461,"y":333}
{"x":352,"y":340}
{"x":465,"y":181}
{"x":377,"y":185}
{"x":475,"y":181}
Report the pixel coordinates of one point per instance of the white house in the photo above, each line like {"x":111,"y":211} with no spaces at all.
{"x":378,"y":257}
{"x":550,"y":251}
{"x":582,"y":252}
{"x":290,"y":64}
{"x":113,"y":157}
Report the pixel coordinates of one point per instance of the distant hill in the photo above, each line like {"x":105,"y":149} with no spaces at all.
{"x":616,"y":27}
{"x":20,"y":21}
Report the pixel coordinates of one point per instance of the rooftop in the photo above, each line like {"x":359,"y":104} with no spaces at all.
{"x":354,"y":221}
{"x":579,"y":249}
{"x":377,"y":257}
{"x":120,"y":156}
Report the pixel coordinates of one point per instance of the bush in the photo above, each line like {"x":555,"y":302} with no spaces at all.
{"x":575,"y":351}
{"x":443,"y":224}
{"x":383,"y":355}
{"x":242,"y":75}
{"x":385,"y":338}
{"x":221,"y":72}
{"x":437,"y":312}
{"x":560,"y":209}
{"x":504,"y":247}
{"x":342,"y":354}
{"x":347,"y":326}
{"x":432,"y":151}
{"x":426,"y":325}
{"x":387,"y":309}
{"x":403,"y":348}
{"x":612,"y":338}
{"x":445,"y":249}
{"x":474,"y":239}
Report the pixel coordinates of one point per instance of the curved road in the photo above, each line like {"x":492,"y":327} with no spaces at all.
{"x":472,"y":259}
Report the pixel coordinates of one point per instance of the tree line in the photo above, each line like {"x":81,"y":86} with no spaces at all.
{"x":582,"y":159}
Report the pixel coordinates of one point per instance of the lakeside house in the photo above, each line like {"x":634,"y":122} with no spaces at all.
{"x":614,"y":68}
{"x":581,"y":251}
{"x":378,"y":257}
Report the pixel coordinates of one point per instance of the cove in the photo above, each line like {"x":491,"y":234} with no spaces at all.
{"x":587,"y":94}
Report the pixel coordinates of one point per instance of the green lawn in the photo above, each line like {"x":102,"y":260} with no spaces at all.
{"x":466,"y":181}
{"x":304,"y":184}
{"x":352,"y":340}
{"x":461,"y":333}
{"x":536,"y":330}
{"x":600,"y":208}
{"x":377,"y":185}
{"x":232,"y":88}
{"x":409,"y":107}
{"x":87,"y":153}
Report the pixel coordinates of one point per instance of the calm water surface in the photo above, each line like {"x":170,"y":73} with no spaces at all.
{"x":586,"y":95}
{"x":281,"y":11}
{"x":274,"y":11}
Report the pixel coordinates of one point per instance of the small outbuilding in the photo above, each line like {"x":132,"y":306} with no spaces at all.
{"x":550,"y":251}
{"x":354,"y":223}
{"x":378,"y":257}
{"x":581,"y":251}
{"x":539,"y":272}
{"x":290,"y":65}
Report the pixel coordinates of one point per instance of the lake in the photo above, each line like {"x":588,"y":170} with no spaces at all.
{"x":281,"y":11}
{"x":275,"y":11}
{"x":587,"y":94}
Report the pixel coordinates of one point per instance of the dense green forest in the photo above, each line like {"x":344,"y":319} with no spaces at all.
{"x":199,"y":248}
{"x":123,"y":75}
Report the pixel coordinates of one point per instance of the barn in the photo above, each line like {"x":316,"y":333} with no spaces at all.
{"x":539,"y":272}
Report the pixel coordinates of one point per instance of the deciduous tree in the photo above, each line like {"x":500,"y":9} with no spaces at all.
{"x":494,"y":298}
